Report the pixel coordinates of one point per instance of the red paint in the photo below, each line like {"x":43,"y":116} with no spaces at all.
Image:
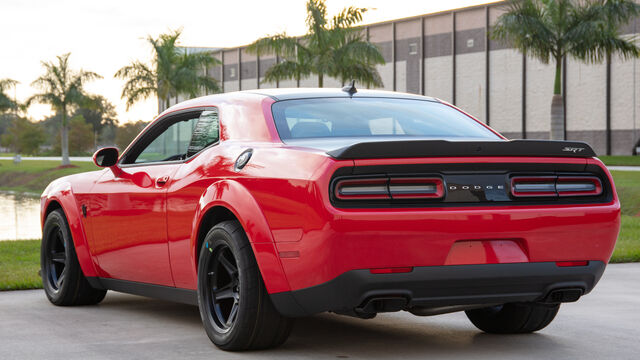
{"x":139,"y":229}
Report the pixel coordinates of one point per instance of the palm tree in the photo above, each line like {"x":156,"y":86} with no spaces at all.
{"x":173,"y":71}
{"x":63,"y":89}
{"x":6,"y":103}
{"x":335,"y":49}
{"x":550,"y":30}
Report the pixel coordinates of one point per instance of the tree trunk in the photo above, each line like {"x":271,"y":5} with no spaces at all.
{"x":320,"y":80}
{"x":557,"y":106}
{"x":65,"y":138}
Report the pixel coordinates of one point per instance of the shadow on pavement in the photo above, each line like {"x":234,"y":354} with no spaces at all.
{"x":339,"y":336}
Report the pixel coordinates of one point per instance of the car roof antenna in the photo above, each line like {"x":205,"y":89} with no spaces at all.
{"x":351,"y":88}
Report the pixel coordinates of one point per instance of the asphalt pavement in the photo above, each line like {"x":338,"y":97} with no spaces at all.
{"x":602,"y":325}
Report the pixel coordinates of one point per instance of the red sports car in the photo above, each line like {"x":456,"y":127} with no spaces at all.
{"x":262,"y":206}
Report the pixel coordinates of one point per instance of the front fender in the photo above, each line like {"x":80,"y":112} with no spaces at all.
{"x":237,"y":199}
{"x":62,"y":193}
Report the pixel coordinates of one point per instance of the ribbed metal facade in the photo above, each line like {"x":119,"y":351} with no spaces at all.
{"x":450,"y":56}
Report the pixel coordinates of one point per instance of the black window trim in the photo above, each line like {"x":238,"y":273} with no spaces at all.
{"x":150,"y":133}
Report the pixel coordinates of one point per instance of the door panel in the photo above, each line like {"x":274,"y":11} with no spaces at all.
{"x":129,"y":221}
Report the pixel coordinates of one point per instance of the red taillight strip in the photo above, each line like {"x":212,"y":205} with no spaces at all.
{"x":416,"y":188}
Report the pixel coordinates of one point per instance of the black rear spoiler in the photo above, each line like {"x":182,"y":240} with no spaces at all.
{"x":441,"y":148}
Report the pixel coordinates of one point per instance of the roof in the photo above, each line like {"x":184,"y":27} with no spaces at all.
{"x":288,"y":94}
{"x":306,"y":93}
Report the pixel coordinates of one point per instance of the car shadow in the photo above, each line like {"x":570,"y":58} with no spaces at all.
{"x":386,"y":336}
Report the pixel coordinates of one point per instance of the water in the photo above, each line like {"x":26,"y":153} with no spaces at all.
{"x":19,"y":217}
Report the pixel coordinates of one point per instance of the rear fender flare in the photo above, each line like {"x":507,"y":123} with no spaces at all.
{"x":236,"y":198}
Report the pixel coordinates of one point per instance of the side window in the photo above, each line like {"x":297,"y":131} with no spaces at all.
{"x":205,"y":132}
{"x":171,"y":145}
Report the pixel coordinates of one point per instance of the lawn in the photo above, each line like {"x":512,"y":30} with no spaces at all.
{"x":32,"y":176}
{"x":620,"y":160}
{"x":19,"y":265}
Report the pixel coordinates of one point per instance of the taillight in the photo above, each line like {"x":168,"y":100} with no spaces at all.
{"x":553,"y":186}
{"x":522,"y":186}
{"x":578,"y":186}
{"x":363,"y":189}
{"x":416,"y":188}
{"x":388,"y":188}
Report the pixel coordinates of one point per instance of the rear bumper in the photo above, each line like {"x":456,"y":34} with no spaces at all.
{"x":436,"y":286}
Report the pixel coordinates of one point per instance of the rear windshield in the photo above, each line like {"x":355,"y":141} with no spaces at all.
{"x":371,"y":117}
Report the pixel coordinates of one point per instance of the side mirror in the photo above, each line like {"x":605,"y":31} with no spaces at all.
{"x":106,"y":157}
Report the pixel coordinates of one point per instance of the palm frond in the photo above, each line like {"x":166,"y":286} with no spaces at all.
{"x":524,"y":26}
{"x":286,"y":70}
{"x":279,"y":44}
{"x":348,"y":17}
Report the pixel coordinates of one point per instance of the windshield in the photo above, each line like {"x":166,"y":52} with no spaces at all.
{"x":374,"y":117}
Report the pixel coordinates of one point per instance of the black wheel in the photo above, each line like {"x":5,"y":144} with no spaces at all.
{"x":62,"y":278}
{"x":513,"y":318}
{"x":235,"y":308}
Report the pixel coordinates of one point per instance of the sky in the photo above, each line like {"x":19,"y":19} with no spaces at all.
{"x":103,"y":36}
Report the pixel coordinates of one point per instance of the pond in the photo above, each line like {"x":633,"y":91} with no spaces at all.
{"x":19,"y":217}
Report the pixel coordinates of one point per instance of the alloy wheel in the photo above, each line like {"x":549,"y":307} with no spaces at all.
{"x":223,"y":284}
{"x":56,"y":259}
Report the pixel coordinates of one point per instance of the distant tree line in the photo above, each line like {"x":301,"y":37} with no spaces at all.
{"x":82,"y":121}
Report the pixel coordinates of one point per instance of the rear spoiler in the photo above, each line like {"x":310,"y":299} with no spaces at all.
{"x":442,"y":148}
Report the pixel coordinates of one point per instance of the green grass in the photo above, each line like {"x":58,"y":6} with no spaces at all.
{"x":628,"y":188}
{"x":620,"y":160}
{"x":19,"y":265}
{"x":628,"y":245}
{"x":32,"y":176}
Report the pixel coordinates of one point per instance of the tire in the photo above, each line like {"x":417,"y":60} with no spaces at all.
{"x":235,"y":308}
{"x":62,"y":278}
{"x":513,"y":318}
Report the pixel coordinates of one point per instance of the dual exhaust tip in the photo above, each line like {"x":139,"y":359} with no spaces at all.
{"x":380,"y":304}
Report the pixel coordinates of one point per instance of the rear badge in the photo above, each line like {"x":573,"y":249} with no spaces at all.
{"x":574,"y":150}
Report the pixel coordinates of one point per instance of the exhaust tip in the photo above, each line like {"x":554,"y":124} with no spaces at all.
{"x":564,"y":295}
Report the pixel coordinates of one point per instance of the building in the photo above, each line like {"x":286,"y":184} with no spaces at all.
{"x":450,"y":56}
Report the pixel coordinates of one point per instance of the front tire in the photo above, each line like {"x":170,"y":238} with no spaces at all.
{"x":235,"y":308}
{"x":513,"y":318}
{"x":62,"y":278}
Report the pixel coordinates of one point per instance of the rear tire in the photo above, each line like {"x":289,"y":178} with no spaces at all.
{"x":62,"y":278}
{"x":513,"y":318}
{"x":235,"y":308}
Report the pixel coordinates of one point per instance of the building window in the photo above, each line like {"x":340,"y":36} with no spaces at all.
{"x":413,"y":48}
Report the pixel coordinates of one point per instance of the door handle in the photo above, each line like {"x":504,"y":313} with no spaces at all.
{"x":161,"y":181}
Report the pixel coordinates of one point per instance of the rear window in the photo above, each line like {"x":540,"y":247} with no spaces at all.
{"x":372,"y":117}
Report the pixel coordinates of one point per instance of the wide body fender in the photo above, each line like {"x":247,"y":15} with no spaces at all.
{"x":233,"y":196}
{"x":62,"y":193}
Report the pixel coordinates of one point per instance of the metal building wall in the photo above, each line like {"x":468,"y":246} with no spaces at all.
{"x":449,"y":55}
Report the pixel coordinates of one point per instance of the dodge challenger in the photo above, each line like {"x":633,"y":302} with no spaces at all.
{"x":263,"y":206}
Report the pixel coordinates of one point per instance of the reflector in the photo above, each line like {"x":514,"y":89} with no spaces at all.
{"x":394,"y":270}
{"x":571,"y":263}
